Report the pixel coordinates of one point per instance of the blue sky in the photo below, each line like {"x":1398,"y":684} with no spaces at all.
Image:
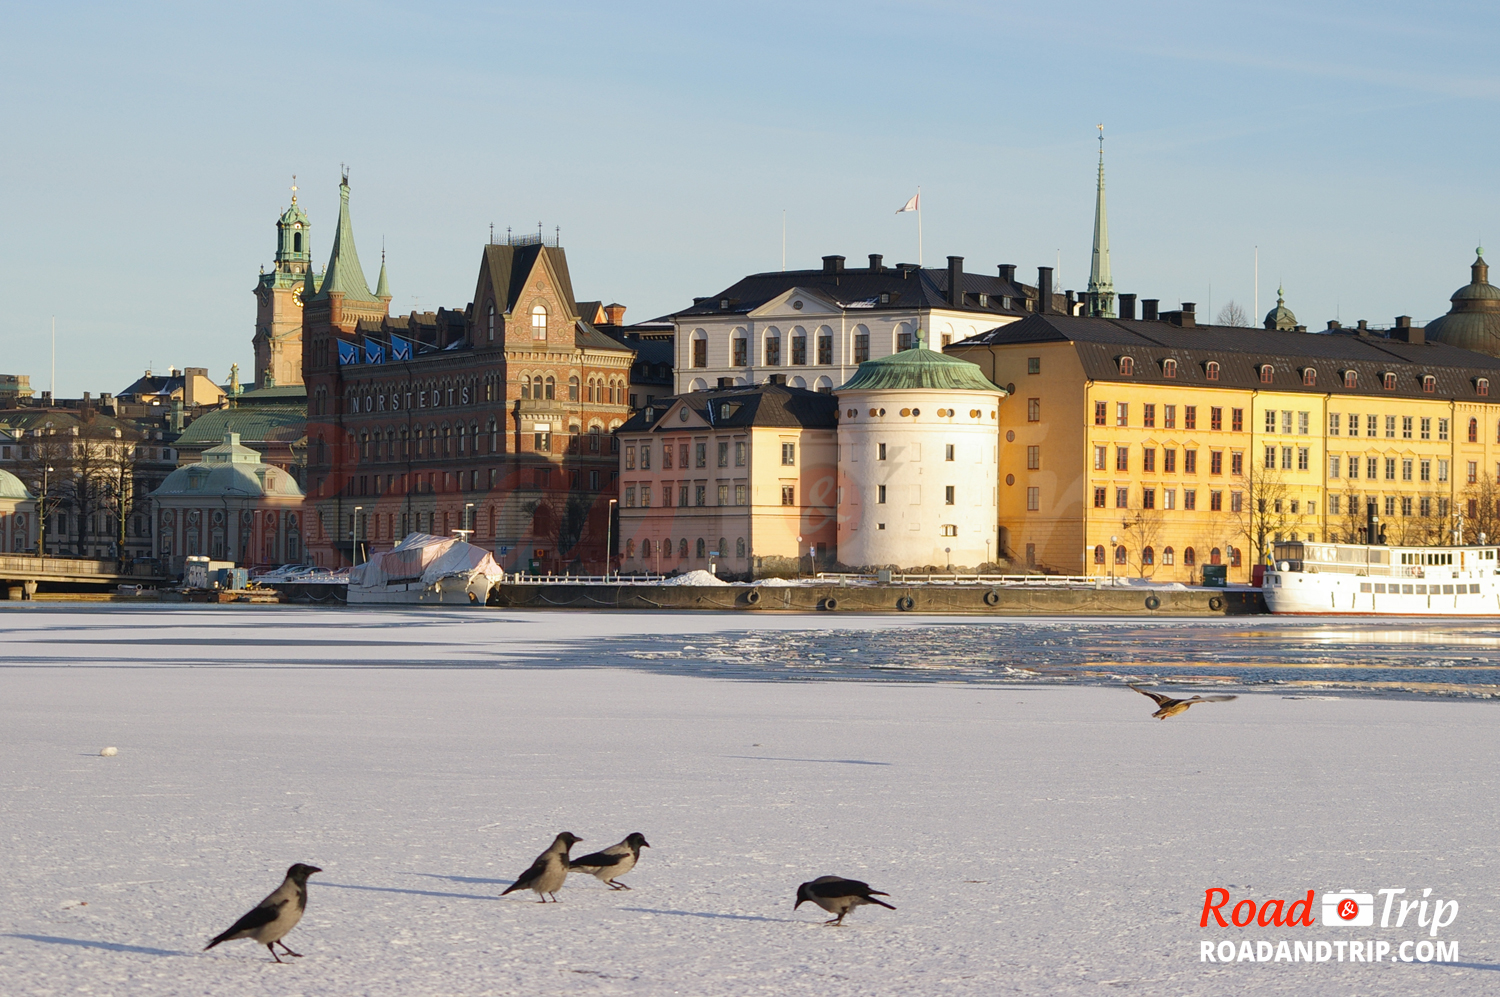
{"x":148,"y":151}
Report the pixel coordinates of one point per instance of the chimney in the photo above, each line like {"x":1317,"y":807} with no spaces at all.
{"x":1044,"y":290}
{"x":1189,"y":314}
{"x":615,"y":314}
{"x":1127,"y":306}
{"x":833,"y":264}
{"x":1148,"y":309}
{"x":1364,"y":326}
{"x":1008,"y":272}
{"x":875,"y":266}
{"x":1072,"y":302}
{"x":956,"y":281}
{"x":1416,"y":335}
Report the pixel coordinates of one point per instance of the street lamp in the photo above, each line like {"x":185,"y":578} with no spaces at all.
{"x":354,"y":555}
{"x":1114,"y":546}
{"x":41,"y":536}
{"x":609,"y":536}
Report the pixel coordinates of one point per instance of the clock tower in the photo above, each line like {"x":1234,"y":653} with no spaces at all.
{"x":278,"y":301}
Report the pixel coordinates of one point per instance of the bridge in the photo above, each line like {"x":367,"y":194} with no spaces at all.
{"x":25,"y":573}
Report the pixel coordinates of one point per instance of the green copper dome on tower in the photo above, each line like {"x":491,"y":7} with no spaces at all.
{"x":1473,"y":321}
{"x":1280,"y":317}
{"x":920,"y":368}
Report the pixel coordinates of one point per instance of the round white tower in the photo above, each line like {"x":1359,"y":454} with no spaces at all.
{"x":918,"y":445}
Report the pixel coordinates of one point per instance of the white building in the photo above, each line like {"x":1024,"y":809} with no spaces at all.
{"x":813,"y":328}
{"x":918,"y":458}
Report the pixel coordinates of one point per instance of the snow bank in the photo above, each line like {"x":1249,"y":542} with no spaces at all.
{"x":698,"y":577}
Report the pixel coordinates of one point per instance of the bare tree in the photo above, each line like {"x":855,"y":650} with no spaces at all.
{"x":1144,"y":530}
{"x":1264,"y":514}
{"x":1354,"y":513}
{"x":117,"y":488}
{"x":1233,"y":314}
{"x":1481,"y":511}
{"x":46,"y":468}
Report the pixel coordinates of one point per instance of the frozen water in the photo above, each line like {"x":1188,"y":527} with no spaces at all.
{"x":1034,"y":839}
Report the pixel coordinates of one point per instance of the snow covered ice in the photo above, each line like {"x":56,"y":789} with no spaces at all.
{"x":1034,"y":839}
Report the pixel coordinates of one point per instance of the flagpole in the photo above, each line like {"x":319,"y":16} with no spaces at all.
{"x":1256,"y":317}
{"x":783,"y":240}
{"x":919,"y":225}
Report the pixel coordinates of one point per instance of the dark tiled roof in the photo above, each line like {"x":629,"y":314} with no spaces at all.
{"x":510,"y":266}
{"x":907,"y":286}
{"x":1241,"y":352}
{"x":589,"y":338}
{"x":750,"y":405}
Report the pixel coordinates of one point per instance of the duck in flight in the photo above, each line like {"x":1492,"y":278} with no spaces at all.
{"x":1169,"y":707}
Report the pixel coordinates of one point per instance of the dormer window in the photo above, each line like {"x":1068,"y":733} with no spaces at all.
{"x":1388,"y":381}
{"x":1127,"y":367}
{"x":1429,"y":383}
{"x":1482,"y":387}
{"x":1309,"y":377}
{"x":885,"y":297}
{"x":1169,"y":368}
{"x":1211,"y":370}
{"x":1266,"y":372}
{"x":1351,"y":380}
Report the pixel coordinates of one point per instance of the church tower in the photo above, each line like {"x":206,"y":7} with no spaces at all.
{"x":278,"y":301}
{"x":1101,"y":285}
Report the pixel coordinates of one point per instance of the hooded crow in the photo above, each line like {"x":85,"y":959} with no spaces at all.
{"x":548,"y":872}
{"x":838,"y":896}
{"x":616,"y":860}
{"x":1171,"y":707}
{"x":270,"y":921}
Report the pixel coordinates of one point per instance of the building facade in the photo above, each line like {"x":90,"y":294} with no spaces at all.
{"x":743,"y":479}
{"x":17,"y":511}
{"x":279,"y":297}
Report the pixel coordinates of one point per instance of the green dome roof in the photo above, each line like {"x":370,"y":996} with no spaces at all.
{"x":1473,"y":323}
{"x":919,"y":368}
{"x":11,"y":487}
{"x":229,"y":471}
{"x":1281,"y":316}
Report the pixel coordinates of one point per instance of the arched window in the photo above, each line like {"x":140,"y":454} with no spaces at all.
{"x":1215,"y":556}
{"x":462,"y":442}
{"x":1098,"y":553}
{"x":538,"y":322}
{"x":1234,"y":557}
{"x":1212,"y":370}
{"x":1351,"y":380}
{"x":1169,"y":368}
{"x":551,"y":388}
{"x":494,"y":435}
{"x":1266,"y":373}
{"x":666,"y":548}
{"x":573,"y":389}
{"x":1148,"y":555}
{"x":1388,"y":381}
{"x":702,"y":548}
{"x":1127,"y":367}
{"x":421,"y":443}
{"x":448,"y":441}
{"x":1473,"y":430}
{"x":1120,"y":555}
{"x":492,"y":322}
{"x":630,"y":548}
{"x":1429,"y":383}
{"x":1168,"y":556}
{"x":1188,"y":557}
{"x":296,"y":242}
{"x":682,"y":548}
{"x":536,"y":388}
{"x":1482,"y":387}
{"x":1309,"y":377}
{"x":739,"y":548}
{"x":525,"y":386}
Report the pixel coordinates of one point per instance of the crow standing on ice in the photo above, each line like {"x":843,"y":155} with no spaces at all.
{"x":838,"y":896}
{"x":1171,"y":707}
{"x":548,"y":872}
{"x":616,"y":860}
{"x":274,"y":916}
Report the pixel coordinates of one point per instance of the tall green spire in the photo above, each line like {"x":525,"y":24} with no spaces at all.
{"x":382,"y":288}
{"x":344,"y":274}
{"x":1101,"y":285}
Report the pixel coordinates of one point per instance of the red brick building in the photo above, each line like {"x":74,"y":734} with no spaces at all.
{"x":497,"y":417}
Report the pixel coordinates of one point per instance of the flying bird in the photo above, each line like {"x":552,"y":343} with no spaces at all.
{"x":838,"y":896}
{"x":270,"y":921}
{"x":1171,"y":707}
{"x":616,"y":860}
{"x":548,"y":872}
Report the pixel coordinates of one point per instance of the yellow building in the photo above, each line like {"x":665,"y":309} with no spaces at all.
{"x":744,"y":479}
{"x":1154,"y":448}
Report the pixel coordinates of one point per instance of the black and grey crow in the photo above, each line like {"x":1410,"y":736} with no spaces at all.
{"x":838,"y":896}
{"x":616,"y":860}
{"x":271,"y":919}
{"x":548,"y":872}
{"x":1171,"y":707}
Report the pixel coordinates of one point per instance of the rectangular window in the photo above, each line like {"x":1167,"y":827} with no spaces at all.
{"x":1333,"y":424}
{"x":1033,"y":457}
{"x":1372,"y":468}
{"x":1189,"y":499}
{"x":1302,"y":423}
{"x":1236,"y":502}
{"x":1390,"y":427}
{"x":1426,"y":428}
{"x":1148,"y":415}
{"x":1122,"y":498}
{"x":1216,"y":462}
{"x":1216,"y":501}
{"x":1122,"y":458}
{"x":789,"y":454}
{"x":1169,"y":416}
{"x":1190,"y":462}
{"x":630,"y":458}
{"x":739,"y":453}
{"x":1334,"y":464}
{"x":799,"y":351}
{"x":1286,"y":458}
{"x":825,"y":350}
{"x":1215,"y":418}
{"x":861,"y":347}
{"x":645,"y":495}
{"x":1390,"y":469}
{"x":1473,"y":477}
{"x":880,"y":451}
{"x":1237,"y":419}
{"x":1442,"y":470}
{"x":1304,"y":458}
{"x":1098,"y":498}
{"x":724,"y":455}
{"x":880,"y":494}
{"x":1333,"y":505}
{"x":1122,"y":413}
{"x":1443,"y":510}
{"x":1148,"y":498}
{"x":788,"y":494}
{"x":1406,"y":470}
{"x":700,"y":495}
{"x":1390,"y":505}
{"x":1286,"y":422}
{"x":645,"y":456}
{"x":741,"y":352}
{"x":722,"y":496}
{"x":1033,"y":365}
{"x":1101,"y":413}
{"x":1406,"y":422}
{"x":701,"y":454}
{"x":1148,"y":460}
{"x":682,"y":495}
{"x":630,"y":497}
{"x":1236,"y":463}
{"x":1372,"y":424}
{"x":1033,"y":498}
{"x":1190,"y":417}
{"x":1101,"y":458}
{"x":948,"y":495}
{"x":741,"y":495}
{"x":1169,"y":461}
{"x":1270,"y":420}
{"x":1442,"y":429}
{"x":1033,"y":410}
{"x":1169,"y":498}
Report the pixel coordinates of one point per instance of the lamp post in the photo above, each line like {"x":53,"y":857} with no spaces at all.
{"x":41,"y":535}
{"x":609,"y":536}
{"x":354,"y":554}
{"x":468,"y":524}
{"x":1114,"y":547}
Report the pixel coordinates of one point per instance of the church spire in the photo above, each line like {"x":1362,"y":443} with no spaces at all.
{"x":344,"y":274}
{"x":382,"y":288}
{"x":1101,"y":284}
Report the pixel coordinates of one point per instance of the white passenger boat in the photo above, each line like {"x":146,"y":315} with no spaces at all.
{"x":1329,"y":579}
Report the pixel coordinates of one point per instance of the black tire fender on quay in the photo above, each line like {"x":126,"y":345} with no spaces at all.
{"x":1215,"y":603}
{"x":753,"y":596}
{"x":1152,"y":602}
{"x":991,"y":598}
{"x":905,"y":603}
